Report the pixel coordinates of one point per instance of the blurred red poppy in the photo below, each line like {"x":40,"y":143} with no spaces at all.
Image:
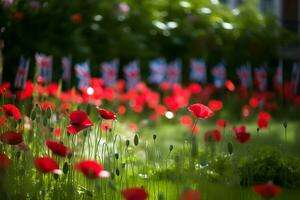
{"x":195,"y":130}
{"x":267,"y":191}
{"x":106,"y":114}
{"x":195,"y":88}
{"x":190,"y":195}
{"x":241,"y":135}
{"x":186,"y":120}
{"x":46,"y":165}
{"x":221,"y":123}
{"x":105,"y":126}
{"x":26,"y":92}
{"x":48,"y":104}
{"x":11,"y":137}
{"x":91,"y":169}
{"x":11,"y":110}
{"x":58,"y":149}
{"x":253,"y":102}
{"x":78,"y":121}
{"x":5,"y":162}
{"x":215,"y":105}
{"x":2,"y":121}
{"x":263,"y":120}
{"x":121,"y":110}
{"x":76,"y":18}
{"x":134,"y":193}
{"x":200,"y":111}
{"x":57,"y":132}
{"x":212,"y":136}
{"x":230,"y":85}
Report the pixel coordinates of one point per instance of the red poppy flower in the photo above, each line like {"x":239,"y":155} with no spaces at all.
{"x":11,"y":137}
{"x":57,"y":132}
{"x":12,"y":111}
{"x":105,"y":126}
{"x":241,"y":135}
{"x":47,"y":165}
{"x":267,"y":191}
{"x":186,"y":120}
{"x":190,"y":195}
{"x":246,"y":111}
{"x":48,"y":104}
{"x":58,"y":148}
{"x":91,"y":169}
{"x":121,"y":110}
{"x":230,"y":85}
{"x":134,"y":193}
{"x":215,"y":105}
{"x":263,"y":120}
{"x":221,"y":123}
{"x":106,"y":114}
{"x":133,"y":127}
{"x":195,"y":130}
{"x":200,"y":111}
{"x":78,"y":121}
{"x":2,"y":121}
{"x":64,"y":107}
{"x":253,"y":102}
{"x":212,"y":136}
{"x":5,"y":162}
{"x":195,"y":88}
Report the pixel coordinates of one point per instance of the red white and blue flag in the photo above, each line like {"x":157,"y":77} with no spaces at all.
{"x":295,"y":77}
{"x":22,"y":73}
{"x":110,"y":71}
{"x":261,"y":78}
{"x":44,"y":66}
{"x":157,"y":70}
{"x":245,"y":76}
{"x":278,"y":77}
{"x":173,"y":72}
{"x":83,"y":75}
{"x":198,"y":70}
{"x":132,"y":74}
{"x":219,"y":75}
{"x":66,"y":64}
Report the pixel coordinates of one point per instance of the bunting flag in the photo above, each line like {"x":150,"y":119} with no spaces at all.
{"x":157,"y":70}
{"x":261,"y":78}
{"x":173,"y":72}
{"x":44,"y":66}
{"x":83,"y":75}
{"x":219,"y":75}
{"x":245,"y":76}
{"x":110,"y":72}
{"x":22,"y":73}
{"x":198,"y":70}
{"x":295,"y":77}
{"x":66,"y":63}
{"x":132,"y":74}
{"x":278,"y":79}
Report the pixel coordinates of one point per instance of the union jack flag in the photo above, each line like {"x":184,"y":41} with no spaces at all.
{"x":295,"y":77}
{"x":219,"y":75}
{"x":132,"y":74}
{"x":22,"y":73}
{"x":83,"y":75}
{"x":173,"y":73}
{"x":157,"y":70}
{"x":110,"y":72}
{"x":244,"y":75}
{"x":198,"y":70}
{"x":278,"y":79}
{"x":261,"y":78}
{"x":66,"y":63}
{"x":44,"y":65}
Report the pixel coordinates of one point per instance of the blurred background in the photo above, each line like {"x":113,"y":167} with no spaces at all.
{"x":234,"y":31}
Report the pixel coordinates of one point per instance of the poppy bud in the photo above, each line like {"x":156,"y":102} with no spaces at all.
{"x":112,"y":176}
{"x":136,"y":140}
{"x":123,"y":165}
{"x":257,"y":129}
{"x":154,"y":136}
{"x":112,"y":185}
{"x":55,"y":176}
{"x":70,"y":155}
{"x":65,"y":168}
{"x":117,"y":156}
{"x":285,"y":125}
{"x":33,"y":114}
{"x":117,"y":172}
{"x":45,"y":121}
{"x":160,"y":196}
{"x":230,"y":148}
{"x":127,"y":143}
{"x":85,"y":133}
{"x":171,"y":148}
{"x":48,"y":112}
{"x":18,"y":154}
